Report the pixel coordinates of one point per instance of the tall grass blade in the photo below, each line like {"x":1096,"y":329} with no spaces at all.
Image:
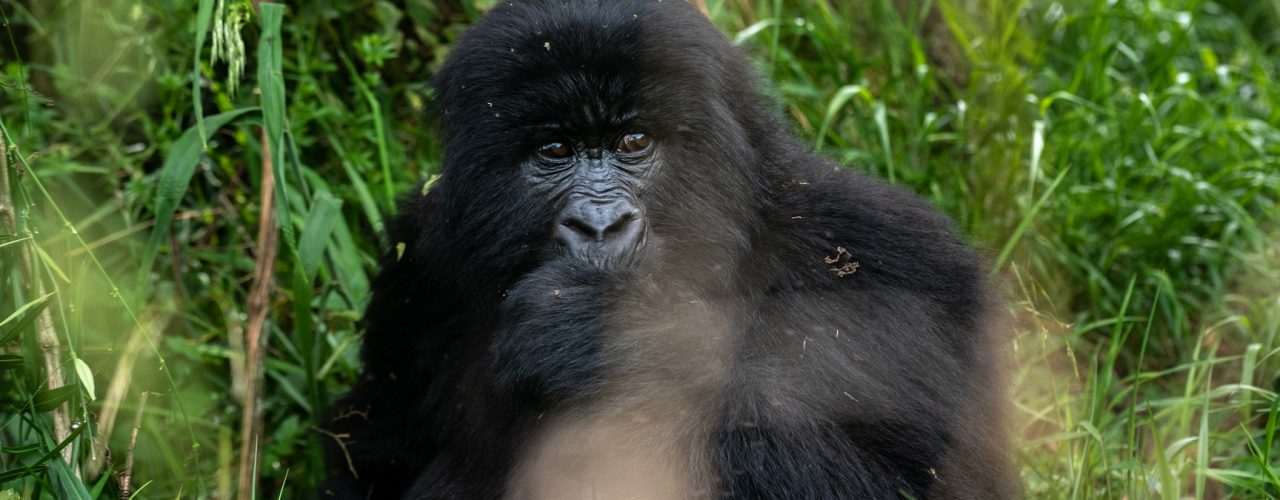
{"x":22,"y":318}
{"x":1027,"y":219}
{"x":203,"y":17}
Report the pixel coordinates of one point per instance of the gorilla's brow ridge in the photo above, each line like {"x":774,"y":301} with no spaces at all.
{"x":612,"y":121}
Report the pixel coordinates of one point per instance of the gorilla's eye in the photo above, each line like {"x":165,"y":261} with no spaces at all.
{"x":555,"y":151}
{"x":635,"y":142}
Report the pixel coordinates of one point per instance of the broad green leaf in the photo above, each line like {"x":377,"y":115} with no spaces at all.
{"x":324,"y":216}
{"x":175,"y":175}
{"x":49,"y":399}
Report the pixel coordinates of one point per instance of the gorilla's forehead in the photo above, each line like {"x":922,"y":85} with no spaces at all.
{"x":579,"y":63}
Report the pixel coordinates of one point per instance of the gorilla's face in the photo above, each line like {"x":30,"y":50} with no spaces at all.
{"x":620,"y":150}
{"x":596,"y":182}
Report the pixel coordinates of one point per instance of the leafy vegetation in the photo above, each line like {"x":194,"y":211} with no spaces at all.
{"x":1119,"y":160}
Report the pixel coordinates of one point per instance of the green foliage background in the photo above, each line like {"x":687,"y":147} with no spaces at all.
{"x":1118,"y":160}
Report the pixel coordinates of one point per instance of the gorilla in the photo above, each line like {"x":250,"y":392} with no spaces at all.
{"x":632,"y":281}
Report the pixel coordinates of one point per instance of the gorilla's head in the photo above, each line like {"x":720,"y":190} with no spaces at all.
{"x":616,"y":133}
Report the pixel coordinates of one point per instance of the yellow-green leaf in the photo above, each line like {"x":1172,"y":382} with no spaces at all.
{"x":86,"y":378}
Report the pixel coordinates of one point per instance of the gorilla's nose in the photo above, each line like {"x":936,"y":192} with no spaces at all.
{"x":600,"y":227}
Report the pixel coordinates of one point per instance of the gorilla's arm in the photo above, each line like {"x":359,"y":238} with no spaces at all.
{"x":870,"y":319}
{"x":812,"y":461}
{"x":840,"y":394}
{"x":424,"y":348}
{"x":547,"y":347}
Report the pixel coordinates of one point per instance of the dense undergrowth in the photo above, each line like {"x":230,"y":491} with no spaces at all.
{"x":1118,"y":160}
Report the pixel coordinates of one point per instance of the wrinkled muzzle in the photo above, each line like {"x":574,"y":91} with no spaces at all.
{"x":600,"y":230}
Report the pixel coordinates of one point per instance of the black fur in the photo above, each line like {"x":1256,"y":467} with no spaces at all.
{"x":819,"y":333}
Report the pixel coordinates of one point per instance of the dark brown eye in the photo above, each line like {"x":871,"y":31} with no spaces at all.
{"x":634,"y":143}
{"x":555,"y":151}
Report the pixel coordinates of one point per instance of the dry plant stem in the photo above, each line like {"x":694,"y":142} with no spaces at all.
{"x":7,"y":214}
{"x":127,"y":474}
{"x":120,"y":380}
{"x":258,"y":306}
{"x":46,"y":336}
{"x":50,"y":351}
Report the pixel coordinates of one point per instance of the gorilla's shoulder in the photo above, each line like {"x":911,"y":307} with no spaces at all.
{"x":863,"y":233}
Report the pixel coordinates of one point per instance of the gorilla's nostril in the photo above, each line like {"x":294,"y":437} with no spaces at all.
{"x":606,"y":225}
{"x":580,"y":227}
{"x":620,"y":224}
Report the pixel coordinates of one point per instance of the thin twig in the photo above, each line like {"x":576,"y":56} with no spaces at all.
{"x":127,"y":474}
{"x":258,"y":306}
{"x":134,"y":350}
{"x":46,"y":336}
{"x":342,"y":445}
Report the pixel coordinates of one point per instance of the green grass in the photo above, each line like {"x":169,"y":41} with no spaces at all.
{"x":1118,"y":160}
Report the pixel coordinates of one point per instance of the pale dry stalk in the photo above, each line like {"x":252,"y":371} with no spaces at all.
{"x":153,"y":324}
{"x":46,"y":336}
{"x":258,"y":306}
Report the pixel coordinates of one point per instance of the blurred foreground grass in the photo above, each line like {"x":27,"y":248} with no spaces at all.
{"x":1119,"y":160}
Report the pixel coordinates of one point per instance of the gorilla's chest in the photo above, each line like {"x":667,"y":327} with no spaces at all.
{"x":647,"y":435}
